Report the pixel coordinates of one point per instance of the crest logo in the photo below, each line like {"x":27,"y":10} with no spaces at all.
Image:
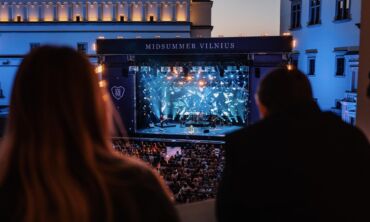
{"x":118,"y":92}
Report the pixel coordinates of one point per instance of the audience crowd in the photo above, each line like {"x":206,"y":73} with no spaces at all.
{"x":192,"y":172}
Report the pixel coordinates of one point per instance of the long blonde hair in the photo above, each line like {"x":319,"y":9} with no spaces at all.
{"x":57,"y":138}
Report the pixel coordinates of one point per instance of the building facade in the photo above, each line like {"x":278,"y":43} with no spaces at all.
{"x":327,"y":37}
{"x":25,"y":24}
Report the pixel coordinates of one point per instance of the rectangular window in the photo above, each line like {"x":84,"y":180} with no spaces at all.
{"x":294,"y":59}
{"x":295,"y":16}
{"x":82,"y":47}
{"x":342,"y":11}
{"x":311,"y":66}
{"x":340,"y":63}
{"x":34,"y":45}
{"x":315,"y":9}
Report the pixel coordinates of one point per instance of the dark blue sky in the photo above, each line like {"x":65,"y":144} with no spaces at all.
{"x":245,"y":17}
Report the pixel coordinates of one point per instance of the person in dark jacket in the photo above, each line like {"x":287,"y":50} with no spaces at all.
{"x":296,"y":164}
{"x":57,"y":162}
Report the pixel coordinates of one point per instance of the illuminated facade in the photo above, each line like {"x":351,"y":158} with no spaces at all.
{"x":327,"y":40}
{"x":25,"y":24}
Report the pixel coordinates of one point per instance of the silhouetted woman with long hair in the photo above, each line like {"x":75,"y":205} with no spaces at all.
{"x":57,"y":163}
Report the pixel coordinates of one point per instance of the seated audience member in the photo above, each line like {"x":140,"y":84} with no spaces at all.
{"x":297,"y":164}
{"x":56,"y":160}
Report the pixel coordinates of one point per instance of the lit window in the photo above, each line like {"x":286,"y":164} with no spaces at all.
{"x":342,"y":11}
{"x":295,"y":20}
{"x":315,"y":9}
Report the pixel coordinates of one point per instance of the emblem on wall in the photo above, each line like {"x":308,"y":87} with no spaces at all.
{"x":118,"y":92}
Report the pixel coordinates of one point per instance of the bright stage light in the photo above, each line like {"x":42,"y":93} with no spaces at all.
{"x":201,"y":83}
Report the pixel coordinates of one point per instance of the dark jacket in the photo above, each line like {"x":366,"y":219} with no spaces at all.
{"x":301,"y":165}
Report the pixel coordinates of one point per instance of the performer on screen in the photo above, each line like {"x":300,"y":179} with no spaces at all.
{"x":163,"y":120}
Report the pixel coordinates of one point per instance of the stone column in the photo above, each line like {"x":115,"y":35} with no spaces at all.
{"x":25,"y":13}
{"x":55,"y":12}
{"x":41,"y":11}
{"x":129,"y":12}
{"x":114,"y":11}
{"x":85,"y":9}
{"x":174,"y":11}
{"x":159,"y":11}
{"x":144,"y":12}
{"x":70,"y":11}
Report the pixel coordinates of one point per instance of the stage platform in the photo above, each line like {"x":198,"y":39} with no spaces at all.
{"x":178,"y":131}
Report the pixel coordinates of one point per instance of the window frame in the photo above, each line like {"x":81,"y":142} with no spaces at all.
{"x":314,"y":12}
{"x":34,"y":45}
{"x":342,"y":17}
{"x":340,"y":57}
{"x":295,"y":14}
{"x":85,"y":44}
{"x":309,"y":59}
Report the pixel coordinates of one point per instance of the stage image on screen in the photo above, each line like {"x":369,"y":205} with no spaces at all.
{"x":192,"y":99}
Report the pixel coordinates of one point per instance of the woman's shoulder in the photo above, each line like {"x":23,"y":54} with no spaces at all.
{"x":127,"y":167}
{"x":145,"y":189}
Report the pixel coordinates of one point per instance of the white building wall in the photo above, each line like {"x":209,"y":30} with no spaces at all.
{"x":92,"y":11}
{"x":33,"y":12}
{"x":152,"y":10}
{"x":54,"y":22}
{"x":107,"y":9}
{"x":48,"y":12}
{"x":123,"y":10}
{"x":324,"y":37}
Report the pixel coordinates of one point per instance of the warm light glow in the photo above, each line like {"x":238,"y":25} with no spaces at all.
{"x":137,"y":13}
{"x":294,"y":43}
{"x":102,"y":83}
{"x":189,"y":78}
{"x":181,"y":13}
{"x":287,"y":34}
{"x":290,"y":67}
{"x":33,"y":15}
{"x":101,"y":37}
{"x":63,"y":13}
{"x":99,"y":69}
{"x":92,"y":14}
{"x":33,"y":19}
{"x":48,"y":13}
{"x":201,"y":83}
{"x":107,"y":13}
{"x":93,"y":47}
{"x":4,"y":14}
{"x":157,"y":36}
